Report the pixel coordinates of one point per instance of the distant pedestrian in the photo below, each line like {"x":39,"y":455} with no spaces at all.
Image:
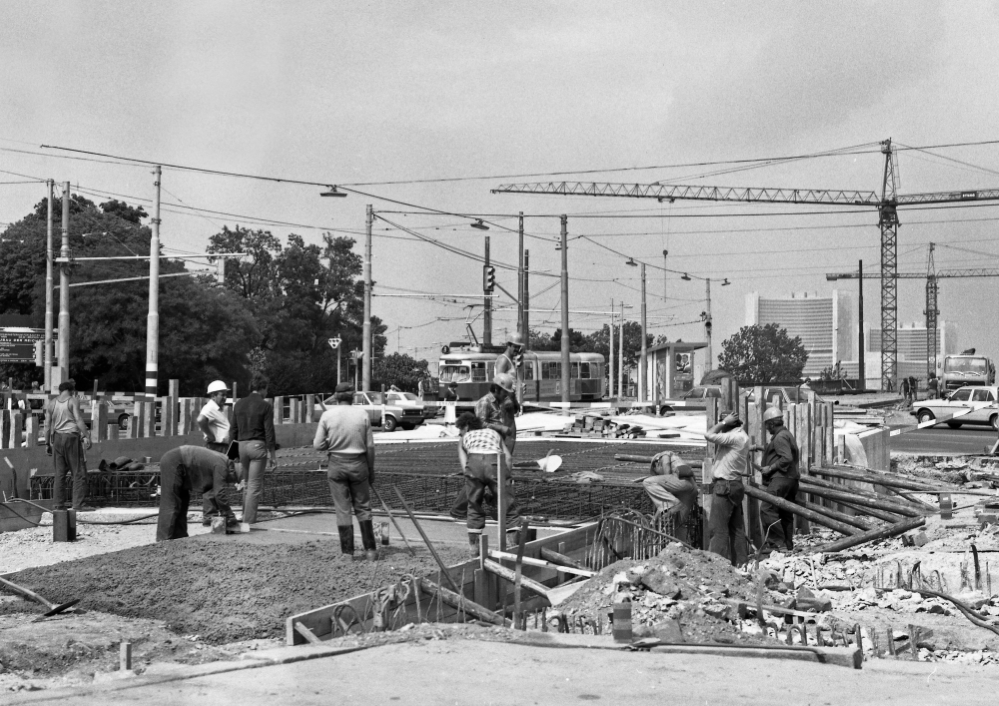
{"x":780,"y":476}
{"x":726,"y":524}
{"x":253,"y":428}
{"x":344,"y":433}
{"x":913,"y":387}
{"x":186,"y":469}
{"x":932,"y":387}
{"x":67,"y":438}
{"x":451,"y":392}
{"x":214,"y":424}
{"x":903,"y":388}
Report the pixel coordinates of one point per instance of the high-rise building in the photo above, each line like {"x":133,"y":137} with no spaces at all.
{"x":824,"y":324}
{"x":911,"y":346}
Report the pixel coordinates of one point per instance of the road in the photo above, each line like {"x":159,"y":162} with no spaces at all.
{"x":431,"y":672}
{"x":943,"y":441}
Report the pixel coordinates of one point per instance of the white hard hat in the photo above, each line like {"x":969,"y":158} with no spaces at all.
{"x":504,"y":381}
{"x":773,"y":413}
{"x":217,"y":386}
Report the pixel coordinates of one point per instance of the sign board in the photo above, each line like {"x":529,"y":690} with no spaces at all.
{"x":334,"y":342}
{"x":17,"y":343}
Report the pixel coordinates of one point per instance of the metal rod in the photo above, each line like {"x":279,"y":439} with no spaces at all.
{"x":426,"y":540}
{"x":392,"y":517}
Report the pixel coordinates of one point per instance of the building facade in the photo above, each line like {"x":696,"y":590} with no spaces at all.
{"x":823,"y":323}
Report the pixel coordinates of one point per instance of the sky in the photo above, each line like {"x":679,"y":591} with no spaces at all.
{"x":424,"y":107}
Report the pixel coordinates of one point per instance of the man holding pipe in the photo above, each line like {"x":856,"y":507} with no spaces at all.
{"x":726,"y":525}
{"x":780,"y":476}
{"x":671,"y":487}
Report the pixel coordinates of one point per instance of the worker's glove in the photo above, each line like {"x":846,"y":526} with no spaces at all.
{"x":86,"y":442}
{"x":240,"y":485}
{"x":48,"y":449}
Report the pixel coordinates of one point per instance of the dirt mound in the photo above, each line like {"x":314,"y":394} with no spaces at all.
{"x":220,"y":591}
{"x":681,"y":594}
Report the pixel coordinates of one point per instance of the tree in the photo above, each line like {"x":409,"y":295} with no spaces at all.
{"x":600,"y":342}
{"x":399,"y":369}
{"x":762,"y":355}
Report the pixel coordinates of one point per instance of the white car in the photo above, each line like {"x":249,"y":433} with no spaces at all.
{"x":409,"y":401}
{"x":981,"y":399}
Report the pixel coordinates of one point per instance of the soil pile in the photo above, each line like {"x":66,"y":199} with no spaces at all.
{"x":223,"y":592}
{"x":681,"y":595}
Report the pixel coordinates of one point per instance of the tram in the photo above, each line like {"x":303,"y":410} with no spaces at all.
{"x":474,"y":372}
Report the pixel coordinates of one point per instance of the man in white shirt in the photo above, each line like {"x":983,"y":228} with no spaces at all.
{"x":727,"y":525}
{"x":214,"y":424}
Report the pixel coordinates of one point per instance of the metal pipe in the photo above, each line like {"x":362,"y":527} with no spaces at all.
{"x":366,"y":327}
{"x":49,"y":291}
{"x":64,"y":290}
{"x":153,"y":319}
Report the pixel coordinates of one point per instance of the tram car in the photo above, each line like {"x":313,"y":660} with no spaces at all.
{"x":474,"y":372}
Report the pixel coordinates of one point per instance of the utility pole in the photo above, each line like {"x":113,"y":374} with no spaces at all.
{"x":64,"y":289}
{"x":366,"y":329}
{"x":620,"y":357}
{"x":487,"y":309}
{"x":643,"y":364}
{"x":610,"y":356}
{"x":520,"y":277}
{"x":49,"y":292}
{"x":665,"y":274}
{"x":525,"y":300}
{"x":565,"y":314}
{"x":153,"y":320}
{"x":861,"y":353}
{"x":707,"y":324}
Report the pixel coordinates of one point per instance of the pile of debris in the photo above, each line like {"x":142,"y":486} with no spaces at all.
{"x":681,"y":595}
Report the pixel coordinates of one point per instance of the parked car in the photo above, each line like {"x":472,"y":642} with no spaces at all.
{"x":382,"y":414}
{"x":407,"y":400}
{"x":981,"y":399}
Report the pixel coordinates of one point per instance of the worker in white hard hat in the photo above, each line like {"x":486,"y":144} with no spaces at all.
{"x":214,"y":424}
{"x":671,"y":487}
{"x":780,"y":476}
{"x":508,"y":360}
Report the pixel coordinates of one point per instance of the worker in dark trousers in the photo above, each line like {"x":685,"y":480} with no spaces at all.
{"x":344,"y":433}
{"x":780,"y":476}
{"x":481,"y":452}
{"x":497,"y":409}
{"x":188,"y":468}
{"x":672,"y":490}
{"x":726,"y":524}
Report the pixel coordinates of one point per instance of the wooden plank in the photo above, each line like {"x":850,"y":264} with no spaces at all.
{"x":169,"y":416}
{"x":5,"y":429}
{"x":279,"y":410}
{"x":31,"y":432}
{"x":186,"y":422}
{"x":17,"y":430}
{"x":307,"y":634}
{"x":139,"y":418}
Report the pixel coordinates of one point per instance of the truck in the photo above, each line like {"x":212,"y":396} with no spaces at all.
{"x":966,"y":369}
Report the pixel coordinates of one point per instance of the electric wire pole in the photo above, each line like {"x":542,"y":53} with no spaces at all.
{"x":565,"y":314}
{"x":153,"y":319}
{"x":643,"y":364}
{"x":49,"y":292}
{"x":366,"y":328}
{"x":64,"y":289}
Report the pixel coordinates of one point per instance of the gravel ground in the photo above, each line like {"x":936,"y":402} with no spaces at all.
{"x":221,"y":591}
{"x":28,"y":548}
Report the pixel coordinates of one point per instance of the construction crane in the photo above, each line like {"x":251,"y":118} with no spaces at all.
{"x":931,"y":312}
{"x":887,"y":204}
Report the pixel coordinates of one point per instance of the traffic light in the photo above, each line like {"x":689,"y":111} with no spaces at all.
{"x":488,"y":279}
{"x":518,"y":358}
{"x":39,"y":353}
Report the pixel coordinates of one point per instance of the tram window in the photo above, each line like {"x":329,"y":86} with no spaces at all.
{"x":479,"y":372}
{"x":528,"y":371}
{"x":454,"y":373}
{"x":584,"y":371}
{"x":574,"y":371}
{"x":551,"y":371}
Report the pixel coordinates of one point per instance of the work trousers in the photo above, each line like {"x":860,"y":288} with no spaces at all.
{"x":481,"y":477}
{"x":208,"y":508}
{"x":253,"y":459}
{"x":350,"y":488}
{"x":674,"y":499}
{"x":779,"y":523}
{"x":68,"y":457}
{"x":459,"y":509}
{"x":726,"y":526}
{"x":175,"y":496}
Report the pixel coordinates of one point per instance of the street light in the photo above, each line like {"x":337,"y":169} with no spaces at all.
{"x":479,"y":225}
{"x":686,"y":277}
{"x":333,"y":191}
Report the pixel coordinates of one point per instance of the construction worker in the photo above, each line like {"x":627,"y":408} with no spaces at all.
{"x":506,"y":362}
{"x":780,"y":476}
{"x":671,"y":487}
{"x":188,"y":468}
{"x":344,"y":433}
{"x":253,"y":428}
{"x":67,"y":439}
{"x":496,"y":409}
{"x":480,"y":452}
{"x":214,"y":425}
{"x":726,"y":525}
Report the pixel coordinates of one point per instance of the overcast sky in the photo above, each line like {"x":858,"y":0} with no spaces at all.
{"x":352,"y":93}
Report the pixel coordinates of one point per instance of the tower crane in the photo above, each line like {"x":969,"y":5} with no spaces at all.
{"x":887,"y":204}
{"x":931,"y":312}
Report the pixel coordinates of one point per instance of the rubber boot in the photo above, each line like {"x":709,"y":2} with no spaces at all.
{"x":368,"y":539}
{"x":346,"y":539}
{"x":473,"y":544}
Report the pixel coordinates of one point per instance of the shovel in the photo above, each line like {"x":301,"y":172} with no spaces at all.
{"x":53,"y":608}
